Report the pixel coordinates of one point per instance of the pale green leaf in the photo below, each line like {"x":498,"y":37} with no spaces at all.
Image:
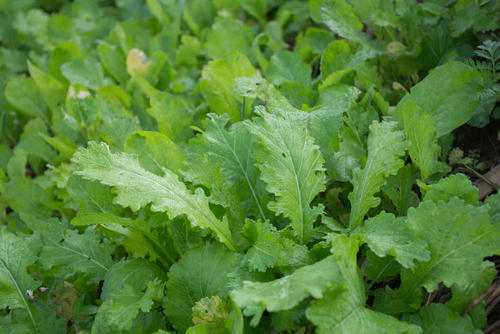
{"x":448,"y":94}
{"x":438,"y":319}
{"x":386,"y":235}
{"x":16,"y":254}
{"x":288,"y":291}
{"x":386,"y":146}
{"x":218,"y":80}
{"x":343,"y":309}
{"x":457,"y":185}
{"x":231,"y":149}
{"x":459,"y":237}
{"x":201,"y":272}
{"x":84,"y":71}
{"x":137,"y":187}
{"x":155,"y":151}
{"x":420,"y":130}
{"x":292,"y":167}
{"x":72,"y":252}
{"x":286,"y":66}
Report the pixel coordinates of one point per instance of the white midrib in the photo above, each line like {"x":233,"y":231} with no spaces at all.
{"x":21,"y":294}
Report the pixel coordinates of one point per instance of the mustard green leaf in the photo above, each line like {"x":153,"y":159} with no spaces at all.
{"x":72,"y":252}
{"x":343,"y":308}
{"x":137,"y":187}
{"x":286,"y":66}
{"x":288,"y":291}
{"x":201,"y":272}
{"x":420,"y":130}
{"x":232,"y":149}
{"x":447,"y":94}
{"x":386,"y":146}
{"x":438,"y":319}
{"x":292,"y":167}
{"x":155,"y":151}
{"x":386,"y":235}
{"x":455,"y":233}
{"x":456,"y":185}
{"x":16,"y":254}
{"x":174,"y":114}
{"x":226,"y":36}
{"x":218,"y":80}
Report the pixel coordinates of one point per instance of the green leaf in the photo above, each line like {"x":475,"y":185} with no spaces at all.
{"x":135,"y":273}
{"x":386,"y":235}
{"x":31,"y":141}
{"x":91,"y":196}
{"x":438,"y":319}
{"x":448,"y":94}
{"x":218,"y":80}
{"x":123,"y":305}
{"x":286,"y":66}
{"x":386,"y":146}
{"x":270,"y":248}
{"x":113,"y":62}
{"x":137,"y":187}
{"x":343,"y":309}
{"x":376,"y":12}
{"x":174,"y":114}
{"x":337,"y":57}
{"x":226,"y":36}
{"x":201,"y":272}
{"x":493,"y":203}
{"x":16,"y":254}
{"x":155,"y":151}
{"x":16,"y":167}
{"x":455,"y":233}
{"x":256,"y":8}
{"x":232,"y":150}
{"x":24,"y":96}
{"x":399,"y":189}
{"x":140,"y":240}
{"x":292,"y":167}
{"x":420,"y":130}
{"x":463,"y":296}
{"x":457,"y":185}
{"x":84,"y":71}
{"x":52,"y":90}
{"x":339,"y":16}
{"x":288,"y":291}
{"x":72,"y":252}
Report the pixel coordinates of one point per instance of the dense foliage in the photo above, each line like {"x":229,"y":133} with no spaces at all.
{"x":251,"y":166}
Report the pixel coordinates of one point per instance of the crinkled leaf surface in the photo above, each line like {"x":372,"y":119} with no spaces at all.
{"x":201,"y":272}
{"x":420,"y":130}
{"x":288,"y":291}
{"x":16,"y":254}
{"x":75,"y":252}
{"x":386,"y":146}
{"x":438,"y":319}
{"x":459,"y":237}
{"x":292,"y":167}
{"x":343,"y":309}
{"x":166,"y":193}
{"x":218,"y":80}
{"x":232,"y":148}
{"x":386,"y":235}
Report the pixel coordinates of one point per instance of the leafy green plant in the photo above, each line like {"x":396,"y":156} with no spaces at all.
{"x":251,"y":166}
